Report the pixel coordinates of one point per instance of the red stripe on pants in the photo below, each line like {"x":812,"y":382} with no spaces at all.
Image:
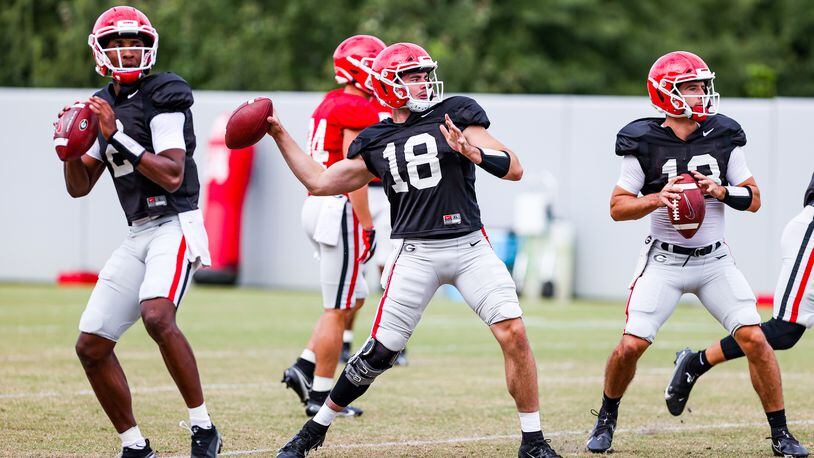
{"x":353,"y":276}
{"x":801,"y":289}
{"x":179,"y":266}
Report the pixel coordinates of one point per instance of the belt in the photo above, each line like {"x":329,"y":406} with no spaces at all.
{"x":700,"y":251}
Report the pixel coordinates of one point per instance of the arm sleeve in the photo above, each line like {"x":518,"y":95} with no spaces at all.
{"x":467,"y":113}
{"x":631,"y":177}
{"x":168,"y":131}
{"x":736,"y":170}
{"x":95,"y":151}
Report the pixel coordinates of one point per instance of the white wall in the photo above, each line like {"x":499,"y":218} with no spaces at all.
{"x":44,"y":231}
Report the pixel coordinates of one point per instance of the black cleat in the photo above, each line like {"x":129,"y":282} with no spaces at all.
{"x":206,"y":443}
{"x":311,"y":409}
{"x":784,"y":444}
{"x":537,"y":449}
{"x":678,"y":391}
{"x":601,"y":439}
{"x":401,"y":359}
{"x":302,"y":443}
{"x":296,"y":379}
{"x":145,"y":452}
{"x":344,"y":357}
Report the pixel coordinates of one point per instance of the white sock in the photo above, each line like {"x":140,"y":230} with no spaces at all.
{"x":347,"y":336}
{"x":199,"y":417}
{"x":132,"y":438}
{"x":322,"y":383}
{"x":309,"y":356}
{"x":325,"y":416}
{"x":529,"y":422}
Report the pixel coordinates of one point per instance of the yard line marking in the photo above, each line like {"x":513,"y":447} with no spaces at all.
{"x":460,"y":440}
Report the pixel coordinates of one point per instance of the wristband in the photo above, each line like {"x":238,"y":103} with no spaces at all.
{"x":495,"y":162}
{"x":124,"y":144}
{"x":738,"y":197}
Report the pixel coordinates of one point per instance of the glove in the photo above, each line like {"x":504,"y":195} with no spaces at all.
{"x":369,"y":240}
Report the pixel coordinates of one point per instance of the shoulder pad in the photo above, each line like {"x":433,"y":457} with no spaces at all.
{"x":465,"y":112}
{"x":728,"y":127}
{"x":169,"y":92}
{"x":629,"y":137}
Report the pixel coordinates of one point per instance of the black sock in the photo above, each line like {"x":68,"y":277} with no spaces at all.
{"x":313,"y":426}
{"x":730,"y":348}
{"x":610,"y":405}
{"x":307,"y":367}
{"x":698,"y":364}
{"x":318,"y":397}
{"x":533,"y":436}
{"x":777,"y":420}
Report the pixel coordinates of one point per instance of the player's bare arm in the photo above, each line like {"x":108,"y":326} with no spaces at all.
{"x":345,"y":176}
{"x":470,"y":142}
{"x":81,"y":175}
{"x":711,"y":188}
{"x":358,"y":198}
{"x":165,"y":169}
{"x":626,"y":206}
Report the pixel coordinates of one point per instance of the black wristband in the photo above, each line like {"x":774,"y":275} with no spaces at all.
{"x":738,"y":197}
{"x":131,"y":149}
{"x":495,"y":162}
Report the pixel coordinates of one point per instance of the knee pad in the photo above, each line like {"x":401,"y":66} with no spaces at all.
{"x":370,"y":362}
{"x":782,"y":335}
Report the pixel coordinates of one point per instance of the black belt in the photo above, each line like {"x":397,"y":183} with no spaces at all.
{"x":701,"y":251}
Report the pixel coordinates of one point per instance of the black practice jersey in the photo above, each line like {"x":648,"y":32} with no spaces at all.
{"x":663,"y":155}
{"x":431,"y":187}
{"x":135,"y":106}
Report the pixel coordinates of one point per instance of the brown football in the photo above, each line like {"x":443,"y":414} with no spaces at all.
{"x":75,"y":131}
{"x":688,"y":212}
{"x":248,"y":124}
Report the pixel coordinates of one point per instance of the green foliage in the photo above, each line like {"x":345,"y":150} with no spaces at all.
{"x":759,"y":48}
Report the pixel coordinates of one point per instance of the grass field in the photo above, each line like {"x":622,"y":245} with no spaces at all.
{"x":450,"y":401}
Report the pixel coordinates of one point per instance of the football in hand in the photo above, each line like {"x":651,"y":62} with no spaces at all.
{"x":75,"y":131}
{"x":248,"y":124}
{"x":688,"y":212}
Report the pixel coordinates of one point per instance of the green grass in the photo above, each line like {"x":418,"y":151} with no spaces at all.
{"x":450,"y":401}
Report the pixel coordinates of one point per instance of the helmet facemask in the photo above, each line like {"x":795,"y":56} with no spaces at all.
{"x":126,"y":75}
{"x":709,"y":100}
{"x":433,"y":88}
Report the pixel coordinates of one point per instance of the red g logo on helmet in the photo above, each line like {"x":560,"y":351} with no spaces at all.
{"x":668,"y":72}
{"x":392,"y":90}
{"x":353,"y":59}
{"x":123,"y":21}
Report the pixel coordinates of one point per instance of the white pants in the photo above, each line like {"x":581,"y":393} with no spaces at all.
{"x":157,"y":259}
{"x":420,"y":266}
{"x":666,"y":276}
{"x":330,"y":224}
{"x":380,"y":211}
{"x":794,"y":293}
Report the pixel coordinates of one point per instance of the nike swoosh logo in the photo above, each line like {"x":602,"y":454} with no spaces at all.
{"x":130,"y":96}
{"x":720,"y":257}
{"x":707,"y":132}
{"x":473,"y":244}
{"x":426,"y":114}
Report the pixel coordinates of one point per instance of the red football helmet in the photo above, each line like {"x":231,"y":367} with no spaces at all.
{"x":123,"y":21}
{"x":675,"y":68}
{"x":352,"y":54}
{"x":388,"y":85}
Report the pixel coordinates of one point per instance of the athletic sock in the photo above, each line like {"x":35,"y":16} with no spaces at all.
{"x":199,"y":417}
{"x":322,"y":383}
{"x":610,"y":405}
{"x":777,"y":421}
{"x":698,"y":364}
{"x":347,"y":337}
{"x":307,"y":362}
{"x":530,"y":426}
{"x":132,"y":438}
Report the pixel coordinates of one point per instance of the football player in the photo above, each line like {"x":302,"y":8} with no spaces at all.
{"x":691,"y":137}
{"x":340,"y":226}
{"x":793,"y":310}
{"x":146,"y":141}
{"x":426,"y":157}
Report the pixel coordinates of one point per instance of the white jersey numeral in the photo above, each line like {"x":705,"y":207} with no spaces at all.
{"x":670,"y":168}
{"x":316,"y":140}
{"x":430,"y":158}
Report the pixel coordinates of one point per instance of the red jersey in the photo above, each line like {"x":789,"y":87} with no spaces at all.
{"x":383,"y":113}
{"x":337,"y":111}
